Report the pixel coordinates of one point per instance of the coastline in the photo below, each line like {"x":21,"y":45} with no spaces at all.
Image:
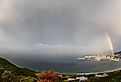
{"x":118,"y":69}
{"x":89,"y":73}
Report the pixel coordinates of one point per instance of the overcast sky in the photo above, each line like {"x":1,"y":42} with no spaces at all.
{"x":55,"y":27}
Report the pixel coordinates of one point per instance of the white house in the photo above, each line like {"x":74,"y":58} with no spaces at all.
{"x":101,"y":75}
{"x":71,"y":79}
{"x":81,"y":78}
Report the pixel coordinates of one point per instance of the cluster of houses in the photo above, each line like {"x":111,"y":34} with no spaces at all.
{"x":82,"y":77}
{"x":79,"y":79}
{"x":101,"y":57}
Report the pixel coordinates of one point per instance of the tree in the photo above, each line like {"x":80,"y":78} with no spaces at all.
{"x":49,"y":76}
{"x":27,"y":79}
{"x":7,"y":76}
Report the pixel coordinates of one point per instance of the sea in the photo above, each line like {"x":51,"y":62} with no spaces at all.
{"x":66,"y":64}
{"x":79,"y":66}
{"x":82,"y":66}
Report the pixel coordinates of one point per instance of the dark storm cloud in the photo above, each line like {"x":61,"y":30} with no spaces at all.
{"x":58,"y":26}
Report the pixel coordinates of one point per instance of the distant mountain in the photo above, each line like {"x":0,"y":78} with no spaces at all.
{"x":6,"y":65}
{"x":119,"y":52}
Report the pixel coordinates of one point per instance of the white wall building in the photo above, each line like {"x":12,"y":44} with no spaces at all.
{"x":81,"y":78}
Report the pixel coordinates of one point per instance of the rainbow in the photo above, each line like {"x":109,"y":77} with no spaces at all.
{"x":110,"y":44}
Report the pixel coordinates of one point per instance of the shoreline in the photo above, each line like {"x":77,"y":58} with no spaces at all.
{"x":89,"y":73}
{"x":118,"y":69}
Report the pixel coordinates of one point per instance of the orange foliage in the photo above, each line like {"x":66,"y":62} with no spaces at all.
{"x":50,"y":76}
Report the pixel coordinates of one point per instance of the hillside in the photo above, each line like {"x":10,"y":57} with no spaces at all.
{"x":6,"y":65}
{"x":9,"y":71}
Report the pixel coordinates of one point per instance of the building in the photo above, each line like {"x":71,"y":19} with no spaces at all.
{"x":81,"y":78}
{"x":101,"y":75}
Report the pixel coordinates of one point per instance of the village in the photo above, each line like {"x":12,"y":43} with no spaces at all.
{"x":81,"y":77}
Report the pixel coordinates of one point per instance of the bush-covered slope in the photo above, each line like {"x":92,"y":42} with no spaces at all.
{"x":6,"y":65}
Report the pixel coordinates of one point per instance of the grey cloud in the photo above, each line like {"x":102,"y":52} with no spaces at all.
{"x":82,"y":23}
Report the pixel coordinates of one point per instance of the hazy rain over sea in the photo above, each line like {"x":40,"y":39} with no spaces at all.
{"x":48,"y":33}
